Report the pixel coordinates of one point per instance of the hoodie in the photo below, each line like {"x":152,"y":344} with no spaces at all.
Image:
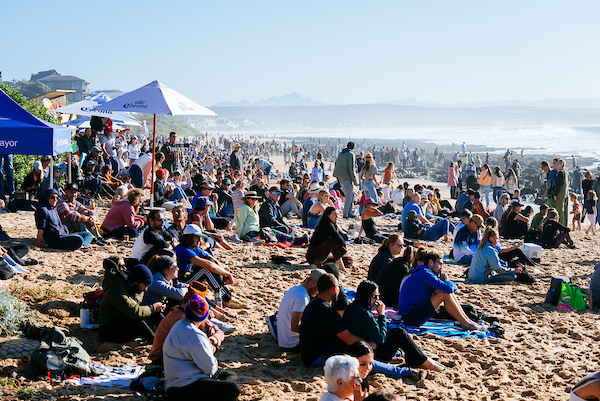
{"x":47,"y":219}
{"x":419,"y":286}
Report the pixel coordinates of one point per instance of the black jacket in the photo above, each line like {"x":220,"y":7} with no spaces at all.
{"x":270,"y":215}
{"x":235,"y":161}
{"x":412,"y":227}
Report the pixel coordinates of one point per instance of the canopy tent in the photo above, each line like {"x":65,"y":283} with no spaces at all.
{"x":24,"y":134}
{"x":156,"y":98}
{"x":86,"y":108}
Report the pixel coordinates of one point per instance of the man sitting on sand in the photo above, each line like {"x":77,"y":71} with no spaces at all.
{"x":427,"y":287}
{"x":322,"y":330}
{"x":75,"y":216}
{"x":152,"y":239}
{"x":467,"y":240}
{"x":122,"y":314}
{"x":291,"y":309}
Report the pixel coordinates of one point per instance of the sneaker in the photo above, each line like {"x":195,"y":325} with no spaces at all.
{"x":30,"y":262}
{"x":226,"y":328}
{"x":236,"y":304}
{"x":256,"y":241}
{"x":234,"y":238}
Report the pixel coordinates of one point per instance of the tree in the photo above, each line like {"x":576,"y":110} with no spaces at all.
{"x":30,"y":89}
{"x":23,"y":163}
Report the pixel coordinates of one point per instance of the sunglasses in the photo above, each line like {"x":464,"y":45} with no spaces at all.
{"x":53,"y":197}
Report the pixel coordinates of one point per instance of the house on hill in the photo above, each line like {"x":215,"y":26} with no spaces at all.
{"x":67,"y":82}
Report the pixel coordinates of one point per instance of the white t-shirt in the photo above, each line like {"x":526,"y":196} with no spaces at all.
{"x":109,"y":144}
{"x":294,"y":300}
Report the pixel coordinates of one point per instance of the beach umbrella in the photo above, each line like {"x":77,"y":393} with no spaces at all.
{"x":156,"y":98}
{"x":84,"y":122}
{"x":86,"y":108}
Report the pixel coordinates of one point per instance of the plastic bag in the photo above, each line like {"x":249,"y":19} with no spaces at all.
{"x":572,"y":295}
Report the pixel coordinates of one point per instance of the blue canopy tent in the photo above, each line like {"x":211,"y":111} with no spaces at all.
{"x":24,"y":134}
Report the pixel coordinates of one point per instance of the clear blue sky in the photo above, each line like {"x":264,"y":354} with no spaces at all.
{"x":338,"y":52}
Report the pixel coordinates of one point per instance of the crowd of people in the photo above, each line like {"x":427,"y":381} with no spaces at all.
{"x":212,"y":192}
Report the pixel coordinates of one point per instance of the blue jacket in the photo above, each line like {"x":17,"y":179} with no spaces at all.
{"x":419,"y":286}
{"x":484,"y":263}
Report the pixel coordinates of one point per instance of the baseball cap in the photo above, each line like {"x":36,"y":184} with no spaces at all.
{"x":37,"y":166}
{"x":315,"y":274}
{"x":202,"y":202}
{"x":71,"y":185}
{"x":275,"y":190}
{"x":477,"y":219}
{"x":192,"y":229}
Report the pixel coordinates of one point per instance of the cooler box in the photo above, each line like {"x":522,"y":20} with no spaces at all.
{"x":532,"y":251}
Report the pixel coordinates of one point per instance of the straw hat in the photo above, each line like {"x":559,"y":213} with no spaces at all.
{"x":314,"y":188}
{"x":251,"y":195}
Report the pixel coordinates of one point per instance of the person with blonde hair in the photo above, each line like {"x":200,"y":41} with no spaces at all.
{"x":368,"y":176}
{"x":486,"y":266}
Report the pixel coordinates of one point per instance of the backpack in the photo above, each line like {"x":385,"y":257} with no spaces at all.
{"x":553,"y":295}
{"x":268,"y":235}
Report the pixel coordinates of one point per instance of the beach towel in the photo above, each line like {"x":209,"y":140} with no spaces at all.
{"x":110,"y":377}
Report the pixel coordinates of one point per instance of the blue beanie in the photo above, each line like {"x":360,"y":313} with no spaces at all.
{"x":197,"y":309}
{"x":140,"y":274}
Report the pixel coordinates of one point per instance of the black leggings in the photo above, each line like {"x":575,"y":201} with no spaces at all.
{"x":396,"y":339}
{"x":221,"y":387}
{"x":518,"y":255}
{"x":16,"y":252}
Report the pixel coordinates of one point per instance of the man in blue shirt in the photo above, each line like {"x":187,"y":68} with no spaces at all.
{"x":467,"y":240}
{"x":427,"y":287}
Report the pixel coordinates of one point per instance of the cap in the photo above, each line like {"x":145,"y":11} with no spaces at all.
{"x":207,"y":185}
{"x":226,"y":181}
{"x":192,"y":229}
{"x":515,"y":202}
{"x":95,"y":149}
{"x":275,"y":190}
{"x":237,"y":145}
{"x":161,"y":172}
{"x":315,"y":274}
{"x":368,"y":201}
{"x":197,"y":309}
{"x":477,"y":219}
{"x":427,"y":192}
{"x":411,"y":214}
{"x":37,"y":166}
{"x":203,"y":201}
{"x":140,"y":274}
{"x":71,"y":185}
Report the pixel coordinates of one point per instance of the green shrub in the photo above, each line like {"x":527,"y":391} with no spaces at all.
{"x":13,"y":314}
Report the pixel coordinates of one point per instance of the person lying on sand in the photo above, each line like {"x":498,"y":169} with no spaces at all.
{"x":425,"y":289}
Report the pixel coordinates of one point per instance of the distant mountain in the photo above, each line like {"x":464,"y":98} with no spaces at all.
{"x":289,"y":100}
{"x":543,"y":103}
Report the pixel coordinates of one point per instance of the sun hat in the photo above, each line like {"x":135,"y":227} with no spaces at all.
{"x":251,"y":195}
{"x":314,"y":188}
{"x":197,"y":309}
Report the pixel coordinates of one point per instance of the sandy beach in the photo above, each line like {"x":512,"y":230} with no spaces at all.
{"x":543,"y":352}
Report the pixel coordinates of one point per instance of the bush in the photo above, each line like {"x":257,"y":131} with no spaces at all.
{"x":13,"y":314}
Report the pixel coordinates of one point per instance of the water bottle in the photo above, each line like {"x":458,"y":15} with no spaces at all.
{"x":218,"y":299}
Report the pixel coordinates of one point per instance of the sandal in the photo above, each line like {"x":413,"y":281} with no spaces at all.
{"x":236,"y":304}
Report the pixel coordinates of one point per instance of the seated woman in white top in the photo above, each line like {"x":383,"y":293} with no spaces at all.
{"x":191,"y":369}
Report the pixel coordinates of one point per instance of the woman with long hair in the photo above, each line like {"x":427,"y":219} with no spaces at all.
{"x":486,"y":265}
{"x":511,"y":181}
{"x":327,"y":241}
{"x":360,"y":322}
{"x":497,"y":184}
{"x":368,"y":175}
{"x":391,"y":247}
{"x":485,"y":183}
{"x":515,"y":225}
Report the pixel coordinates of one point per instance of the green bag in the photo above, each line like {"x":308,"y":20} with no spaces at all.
{"x":573,"y":296}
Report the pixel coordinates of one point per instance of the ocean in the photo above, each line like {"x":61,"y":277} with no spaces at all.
{"x":547,"y":139}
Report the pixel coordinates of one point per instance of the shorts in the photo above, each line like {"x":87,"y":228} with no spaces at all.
{"x":420,"y":314}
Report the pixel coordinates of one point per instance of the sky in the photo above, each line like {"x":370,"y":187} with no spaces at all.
{"x":337,"y":52}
